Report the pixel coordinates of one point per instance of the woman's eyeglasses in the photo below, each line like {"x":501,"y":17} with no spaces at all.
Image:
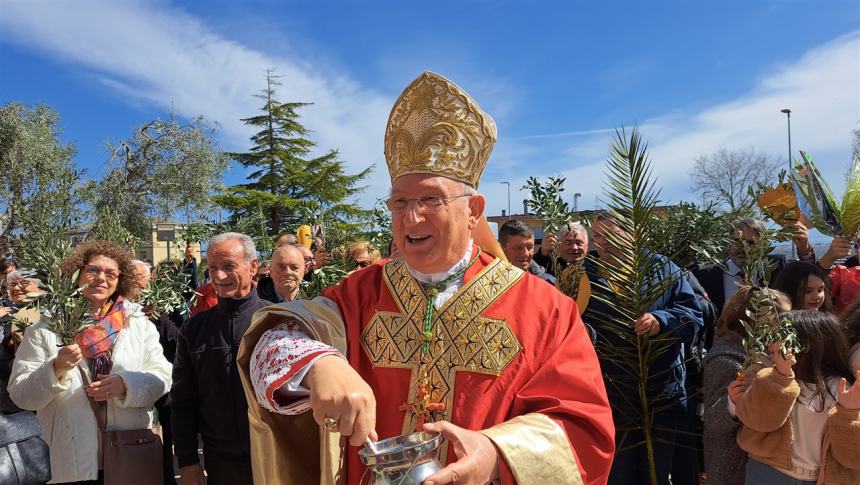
{"x":20,"y":284}
{"x":93,"y":271}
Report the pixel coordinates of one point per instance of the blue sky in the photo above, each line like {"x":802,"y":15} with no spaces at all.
{"x":557,"y":77}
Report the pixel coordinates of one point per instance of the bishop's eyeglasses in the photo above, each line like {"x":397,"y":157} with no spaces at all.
{"x":428,"y":203}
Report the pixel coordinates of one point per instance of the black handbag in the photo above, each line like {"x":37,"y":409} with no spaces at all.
{"x":24,"y":456}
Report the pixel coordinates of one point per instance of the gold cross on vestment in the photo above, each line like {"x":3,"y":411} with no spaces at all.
{"x":462,"y":341}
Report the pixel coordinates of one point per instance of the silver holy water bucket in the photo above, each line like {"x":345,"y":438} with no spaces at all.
{"x":403,"y":460}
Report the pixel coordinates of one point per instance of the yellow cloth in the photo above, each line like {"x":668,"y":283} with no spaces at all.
{"x":574,"y":283}
{"x":304,"y":236}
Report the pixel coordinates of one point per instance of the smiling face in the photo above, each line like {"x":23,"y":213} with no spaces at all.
{"x":231,"y":275}
{"x":433,"y":241}
{"x":812,"y":293}
{"x":19,"y":287}
{"x":519,"y":251}
{"x":574,"y":246}
{"x":100,"y":275}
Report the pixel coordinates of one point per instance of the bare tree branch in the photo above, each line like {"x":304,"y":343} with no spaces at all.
{"x":725,"y":176}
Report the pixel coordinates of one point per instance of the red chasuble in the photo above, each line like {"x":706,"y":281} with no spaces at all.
{"x":505,"y":345}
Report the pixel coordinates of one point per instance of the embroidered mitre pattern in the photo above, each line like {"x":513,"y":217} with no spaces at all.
{"x":436,"y":128}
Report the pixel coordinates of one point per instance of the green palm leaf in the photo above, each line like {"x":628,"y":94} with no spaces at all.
{"x":634,"y":285}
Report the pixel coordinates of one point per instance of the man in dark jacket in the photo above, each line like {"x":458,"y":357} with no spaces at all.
{"x":572,"y":242}
{"x":677,"y":317}
{"x":207,"y":396}
{"x":722,"y":281}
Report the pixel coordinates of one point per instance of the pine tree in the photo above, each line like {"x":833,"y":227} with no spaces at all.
{"x":286,"y":182}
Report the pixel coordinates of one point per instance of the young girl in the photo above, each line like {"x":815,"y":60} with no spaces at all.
{"x":806,"y":284}
{"x":725,"y":461}
{"x":800,"y":420}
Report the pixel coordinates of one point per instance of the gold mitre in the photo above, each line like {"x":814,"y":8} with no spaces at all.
{"x":436,"y":128}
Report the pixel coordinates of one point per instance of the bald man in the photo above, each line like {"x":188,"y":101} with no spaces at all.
{"x":286,"y":239}
{"x":287,"y":271}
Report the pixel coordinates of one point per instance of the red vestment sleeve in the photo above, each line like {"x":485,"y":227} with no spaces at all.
{"x":567,"y":386}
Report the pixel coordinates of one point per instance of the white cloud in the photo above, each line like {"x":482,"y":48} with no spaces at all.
{"x":821,"y":88}
{"x":154,"y":53}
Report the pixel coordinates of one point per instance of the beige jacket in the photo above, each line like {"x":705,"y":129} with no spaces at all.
{"x":766,"y":434}
{"x":287,"y":450}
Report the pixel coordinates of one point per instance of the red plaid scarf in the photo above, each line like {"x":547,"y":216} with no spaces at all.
{"x":97,"y":340}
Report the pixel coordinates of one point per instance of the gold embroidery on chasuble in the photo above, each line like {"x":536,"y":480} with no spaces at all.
{"x":462,"y":341}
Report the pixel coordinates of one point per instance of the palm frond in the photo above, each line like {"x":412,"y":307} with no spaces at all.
{"x":850,"y":210}
{"x":814,"y":197}
{"x":636,"y":281}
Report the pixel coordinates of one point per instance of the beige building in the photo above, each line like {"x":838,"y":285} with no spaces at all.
{"x":163,"y":244}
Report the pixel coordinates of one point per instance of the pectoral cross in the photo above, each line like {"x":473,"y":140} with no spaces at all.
{"x":422,"y":408}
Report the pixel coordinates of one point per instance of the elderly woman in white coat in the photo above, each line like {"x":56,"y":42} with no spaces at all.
{"x":120,"y":356}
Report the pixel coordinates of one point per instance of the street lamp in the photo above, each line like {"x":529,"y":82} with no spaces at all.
{"x":509,"y":199}
{"x":788,"y":119}
{"x":790,"y":167}
{"x":576,"y":197}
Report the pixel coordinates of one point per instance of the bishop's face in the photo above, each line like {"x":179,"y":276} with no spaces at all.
{"x":432,"y":218}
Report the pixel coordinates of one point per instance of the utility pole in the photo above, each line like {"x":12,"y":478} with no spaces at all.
{"x":790,"y":165}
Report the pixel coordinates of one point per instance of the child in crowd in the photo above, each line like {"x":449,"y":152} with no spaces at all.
{"x":725,"y":461}
{"x":800,"y":420}
{"x":806,"y":284}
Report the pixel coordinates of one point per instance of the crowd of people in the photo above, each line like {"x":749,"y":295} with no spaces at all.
{"x":509,"y":349}
{"x":798,"y":415}
{"x":183,"y":372}
{"x":142,"y":369}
